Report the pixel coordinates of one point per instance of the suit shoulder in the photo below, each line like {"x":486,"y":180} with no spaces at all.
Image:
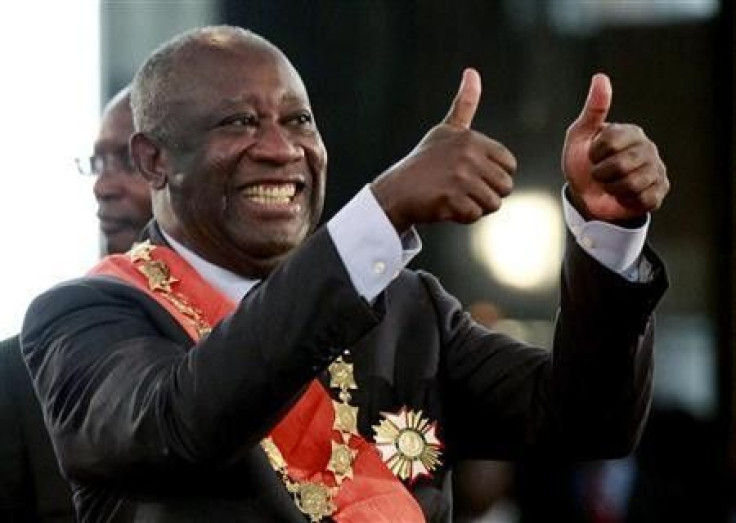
{"x":81,"y":296}
{"x":81,"y":292}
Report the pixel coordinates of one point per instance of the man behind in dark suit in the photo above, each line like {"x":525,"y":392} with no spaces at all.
{"x":243,"y":366}
{"x":31,"y":487}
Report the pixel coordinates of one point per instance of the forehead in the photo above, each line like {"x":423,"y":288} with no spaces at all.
{"x":232,"y":72}
{"x":116,"y":124}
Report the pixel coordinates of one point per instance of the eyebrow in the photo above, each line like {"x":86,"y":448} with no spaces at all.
{"x":288,"y":97}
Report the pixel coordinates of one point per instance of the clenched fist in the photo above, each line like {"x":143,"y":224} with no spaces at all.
{"x":614,"y":171}
{"x":453,"y":174}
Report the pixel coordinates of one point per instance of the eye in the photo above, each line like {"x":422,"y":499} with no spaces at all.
{"x":240,"y":120}
{"x":302,"y":119}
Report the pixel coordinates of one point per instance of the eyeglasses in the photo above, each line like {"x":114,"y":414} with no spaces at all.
{"x":95,"y":165}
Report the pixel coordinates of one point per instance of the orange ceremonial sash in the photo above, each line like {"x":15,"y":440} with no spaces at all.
{"x":303,"y":436}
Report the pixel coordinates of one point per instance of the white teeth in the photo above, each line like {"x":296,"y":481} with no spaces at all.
{"x":269,"y":200}
{"x":271,"y":194}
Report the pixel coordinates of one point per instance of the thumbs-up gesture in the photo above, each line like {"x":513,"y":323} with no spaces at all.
{"x":453,"y":174}
{"x":614,"y":171}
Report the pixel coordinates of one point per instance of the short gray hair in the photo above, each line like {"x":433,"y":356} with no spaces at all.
{"x":151,"y":89}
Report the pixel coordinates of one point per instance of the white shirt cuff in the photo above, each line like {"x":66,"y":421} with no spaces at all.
{"x":370,"y":247}
{"x":617,"y":248}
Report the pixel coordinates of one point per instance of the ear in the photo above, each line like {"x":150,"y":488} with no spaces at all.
{"x":148,"y":158}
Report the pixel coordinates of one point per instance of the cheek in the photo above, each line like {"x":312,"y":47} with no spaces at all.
{"x":316,"y":159}
{"x":139,"y":194}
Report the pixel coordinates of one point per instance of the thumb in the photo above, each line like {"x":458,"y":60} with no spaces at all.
{"x":596,"y":107}
{"x":466,"y":101}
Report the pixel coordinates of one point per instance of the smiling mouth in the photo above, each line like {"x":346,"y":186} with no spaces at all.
{"x":272,"y":194}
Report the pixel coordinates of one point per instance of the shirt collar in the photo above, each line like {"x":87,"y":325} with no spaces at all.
{"x":230,"y":284}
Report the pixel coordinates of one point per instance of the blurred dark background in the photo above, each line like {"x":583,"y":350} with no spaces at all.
{"x":381,"y":73}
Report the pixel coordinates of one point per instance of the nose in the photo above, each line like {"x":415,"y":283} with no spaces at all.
{"x":108,"y":185}
{"x":273,"y":144}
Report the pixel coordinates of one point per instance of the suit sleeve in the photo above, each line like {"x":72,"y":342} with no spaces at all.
{"x":586,"y":398}
{"x":128,"y":394}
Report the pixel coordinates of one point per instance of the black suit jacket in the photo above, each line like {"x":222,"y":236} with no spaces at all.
{"x":31,"y":486}
{"x":151,"y":427}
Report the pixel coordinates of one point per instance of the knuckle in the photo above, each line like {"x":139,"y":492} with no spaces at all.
{"x":470,"y":214}
{"x":459,"y":176}
{"x":505,"y":186}
{"x":617,"y":164}
{"x":444,"y":214}
{"x":650,"y":200}
{"x":444,"y":201}
{"x":635,"y":130}
{"x":632,"y":156}
{"x":512,"y":165}
{"x":494,"y":203}
{"x":464,"y":139}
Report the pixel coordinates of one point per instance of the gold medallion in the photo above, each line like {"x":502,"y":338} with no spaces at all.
{"x":314,"y":500}
{"x":346,"y":418}
{"x":408,"y":444}
{"x":341,"y":375}
{"x":341,"y":461}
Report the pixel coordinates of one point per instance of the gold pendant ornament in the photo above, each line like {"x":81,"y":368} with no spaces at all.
{"x":160,"y":279}
{"x":341,"y":375}
{"x":341,"y":461}
{"x":346,"y":419}
{"x":408,"y":444}
{"x":314,"y":500}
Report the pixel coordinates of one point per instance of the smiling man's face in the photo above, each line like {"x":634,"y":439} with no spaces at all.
{"x":244,"y":163}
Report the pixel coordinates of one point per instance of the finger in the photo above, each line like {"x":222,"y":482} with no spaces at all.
{"x":488,"y":187}
{"x":497,"y":179}
{"x":597,"y":105}
{"x":489,"y":163}
{"x":466,"y":101}
{"x":466,"y":210}
{"x":500,"y":155}
{"x":650,"y":199}
{"x":634,"y":183}
{"x":622,"y":163}
{"x":615,"y":137}
{"x":485,"y":183}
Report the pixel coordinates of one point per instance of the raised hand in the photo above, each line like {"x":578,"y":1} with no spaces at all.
{"x":453,"y":174}
{"x":614,"y":171}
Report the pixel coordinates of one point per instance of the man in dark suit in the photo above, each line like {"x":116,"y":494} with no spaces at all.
{"x":31,"y":487}
{"x":242,"y":366}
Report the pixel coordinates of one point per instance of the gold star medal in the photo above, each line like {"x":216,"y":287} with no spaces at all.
{"x":341,"y":461}
{"x":341,"y":375}
{"x":408,"y":444}
{"x":346,"y":418}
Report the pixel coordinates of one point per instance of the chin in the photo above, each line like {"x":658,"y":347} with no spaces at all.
{"x":272,"y":244}
{"x":117,"y":247}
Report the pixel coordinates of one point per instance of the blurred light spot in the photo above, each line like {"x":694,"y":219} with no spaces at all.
{"x":521,"y":245}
